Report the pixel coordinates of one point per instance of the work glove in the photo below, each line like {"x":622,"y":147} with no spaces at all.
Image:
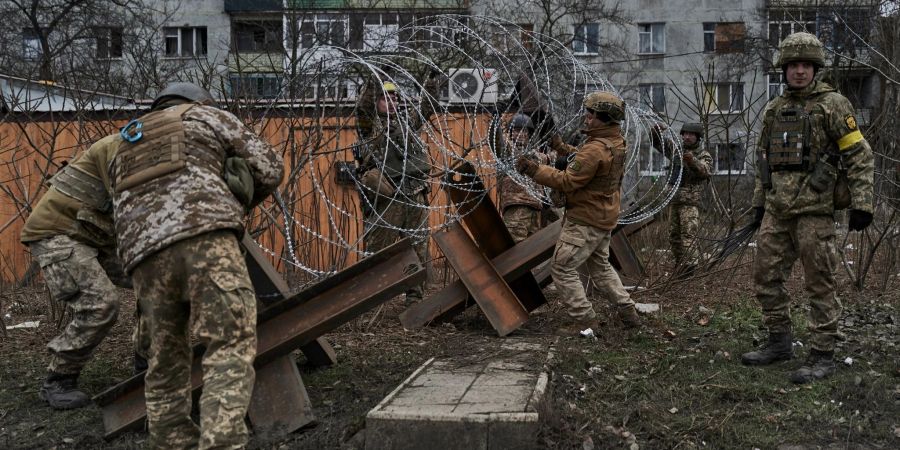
{"x":687,"y":158}
{"x":561,"y":163}
{"x":859,"y":220}
{"x":758,"y":213}
{"x":526,"y":166}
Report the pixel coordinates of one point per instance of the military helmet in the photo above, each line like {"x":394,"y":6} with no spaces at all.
{"x":606,"y":102}
{"x":519,"y":121}
{"x":801,"y":47}
{"x":692,"y":127}
{"x":187,"y":91}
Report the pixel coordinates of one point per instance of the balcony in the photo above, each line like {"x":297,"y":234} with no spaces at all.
{"x":385,"y":4}
{"x":238,"y":6}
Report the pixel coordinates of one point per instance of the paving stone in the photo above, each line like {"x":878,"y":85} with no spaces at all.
{"x":447,"y":404}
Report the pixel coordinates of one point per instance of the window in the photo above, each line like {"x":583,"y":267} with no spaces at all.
{"x":709,"y":37}
{"x":323,"y":29}
{"x":724,"y":37}
{"x":776,"y":87}
{"x":730,"y":158}
{"x":653,"y":96}
{"x":587,"y":39}
{"x":31,"y":44}
{"x":651,"y":161}
{"x":512,"y":38}
{"x":185,"y":41}
{"x":262,"y":36}
{"x":319,"y":87}
{"x":783,"y":22}
{"x":109,"y":42}
{"x":380,"y":33}
{"x":255,"y":85}
{"x":651,"y":38}
{"x":724,"y":97}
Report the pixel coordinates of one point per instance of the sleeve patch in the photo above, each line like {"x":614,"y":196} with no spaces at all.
{"x":849,"y":140}
{"x":574,"y":166}
{"x":851,"y":122}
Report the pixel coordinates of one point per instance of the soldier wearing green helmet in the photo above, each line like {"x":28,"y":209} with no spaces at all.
{"x":809,"y":135}
{"x":684,"y":221}
{"x":592,"y":183}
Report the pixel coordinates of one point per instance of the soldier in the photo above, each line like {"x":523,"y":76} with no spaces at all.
{"x":70,"y":234}
{"x":184,"y":177}
{"x":591,"y":183}
{"x":393,"y":171}
{"x":807,"y":133}
{"x":521,"y":209}
{"x":685,"y":211}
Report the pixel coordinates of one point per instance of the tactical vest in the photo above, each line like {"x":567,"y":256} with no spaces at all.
{"x":161,"y":150}
{"x":790,"y":141}
{"x":611,"y":181}
{"x":82,"y":186}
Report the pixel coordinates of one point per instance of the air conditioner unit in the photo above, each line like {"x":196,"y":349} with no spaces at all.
{"x":472,"y":86}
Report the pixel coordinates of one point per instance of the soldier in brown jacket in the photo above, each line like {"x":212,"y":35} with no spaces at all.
{"x":591,"y":183}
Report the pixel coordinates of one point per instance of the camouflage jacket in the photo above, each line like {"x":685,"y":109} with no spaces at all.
{"x":87,"y":220}
{"x":833,"y":129}
{"x":391,"y":142}
{"x":592,"y":180}
{"x":694,"y":173}
{"x":194,"y":199}
{"x":512,"y":193}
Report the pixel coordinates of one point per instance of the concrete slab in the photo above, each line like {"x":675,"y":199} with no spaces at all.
{"x":472,"y":403}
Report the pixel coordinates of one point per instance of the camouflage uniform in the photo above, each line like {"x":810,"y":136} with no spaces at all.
{"x":684,"y":222}
{"x":70,"y":234}
{"x":799,"y":217}
{"x":591,"y":183}
{"x":521,"y":210}
{"x":394,"y":167}
{"x":176,"y":222}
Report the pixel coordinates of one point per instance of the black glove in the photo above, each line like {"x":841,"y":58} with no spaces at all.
{"x":859,"y":220}
{"x":758,"y":213}
{"x":561,"y":163}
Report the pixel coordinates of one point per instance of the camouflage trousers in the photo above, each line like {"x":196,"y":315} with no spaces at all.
{"x":521,"y":221}
{"x":391,"y":220}
{"x":199,"y":284}
{"x":780,"y":243}
{"x":683,"y":226}
{"x":76,"y":279}
{"x":589,"y":246}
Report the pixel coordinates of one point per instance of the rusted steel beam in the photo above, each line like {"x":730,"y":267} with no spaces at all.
{"x":622,"y":255}
{"x":289,"y":324}
{"x":487,"y":228}
{"x":493,"y":295}
{"x":270,"y":287}
{"x":511,"y":264}
{"x":280,"y":404}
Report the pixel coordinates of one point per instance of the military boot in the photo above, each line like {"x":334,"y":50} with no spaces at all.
{"x":140,"y":364}
{"x":779,"y":348}
{"x":629,"y":316}
{"x":61,"y":391}
{"x":818,"y":365}
{"x":575,"y":326}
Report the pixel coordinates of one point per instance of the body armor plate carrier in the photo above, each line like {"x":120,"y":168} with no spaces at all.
{"x":160,"y":152}
{"x":789,"y":141}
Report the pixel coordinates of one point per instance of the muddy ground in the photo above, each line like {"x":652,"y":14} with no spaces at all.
{"x":676,"y":383}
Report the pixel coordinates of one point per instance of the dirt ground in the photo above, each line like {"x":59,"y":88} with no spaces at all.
{"x":676,"y":383}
